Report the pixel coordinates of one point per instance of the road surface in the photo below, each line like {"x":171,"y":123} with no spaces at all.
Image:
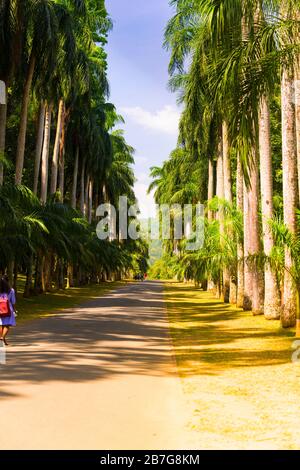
{"x":100,"y":376}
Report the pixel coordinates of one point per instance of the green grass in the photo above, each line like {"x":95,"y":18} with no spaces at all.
{"x":237,"y":372}
{"x":51,"y":303}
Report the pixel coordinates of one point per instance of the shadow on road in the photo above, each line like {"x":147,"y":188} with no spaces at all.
{"x":125,"y":332}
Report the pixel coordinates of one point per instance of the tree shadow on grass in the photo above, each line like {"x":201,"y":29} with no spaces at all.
{"x":209,"y":338}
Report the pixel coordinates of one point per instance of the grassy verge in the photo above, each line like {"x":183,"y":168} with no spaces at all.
{"x":51,"y":303}
{"x":237,"y":372}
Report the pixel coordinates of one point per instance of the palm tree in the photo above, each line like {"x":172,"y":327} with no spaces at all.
{"x":40,"y":35}
{"x":12,"y":16}
{"x":272,"y":301}
{"x":240,"y":295}
{"x":290,"y":189}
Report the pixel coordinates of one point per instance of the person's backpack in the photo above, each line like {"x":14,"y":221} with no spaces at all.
{"x":4,"y":306}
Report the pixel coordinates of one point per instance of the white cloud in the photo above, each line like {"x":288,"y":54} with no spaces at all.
{"x":165,"y":120}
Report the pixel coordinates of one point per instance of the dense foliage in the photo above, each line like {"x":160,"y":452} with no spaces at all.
{"x":235,"y":66}
{"x":60,"y":156}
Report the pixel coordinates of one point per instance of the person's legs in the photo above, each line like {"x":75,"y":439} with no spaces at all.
{"x":5,"y":330}
{"x":1,"y":331}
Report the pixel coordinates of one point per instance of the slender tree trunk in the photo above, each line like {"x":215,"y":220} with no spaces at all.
{"x":39,"y":146}
{"x":90,"y":201}
{"x":240,"y":246}
{"x":296,"y":17}
{"x":3,"y":119}
{"x":220,"y":169}
{"x":290,"y":190}
{"x":96,"y":198}
{"x":253,"y":280}
{"x":272,"y":304}
{"x":210,"y":193}
{"x":62,"y":174}
{"x":39,"y":282}
{"x":252,"y":226}
{"x":61,"y":275}
{"x":82,"y":187}
{"x":45,"y":154}
{"x":297,"y":102}
{"x":75,"y":178}
{"x":23,"y":121}
{"x":61,"y":168}
{"x":29,"y":275}
{"x":54,"y":168}
{"x":226,"y":165}
{"x":70,"y":276}
{"x":228,"y":283}
{"x":248,"y":284}
{"x":49,"y":271}
{"x":86,"y":196}
{"x":220,"y":195}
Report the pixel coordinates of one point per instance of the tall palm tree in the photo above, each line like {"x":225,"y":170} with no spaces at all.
{"x":272,"y":301}
{"x":290,"y":188}
{"x":40,"y":36}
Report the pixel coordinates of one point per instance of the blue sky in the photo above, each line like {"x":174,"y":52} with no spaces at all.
{"x":138,"y":76}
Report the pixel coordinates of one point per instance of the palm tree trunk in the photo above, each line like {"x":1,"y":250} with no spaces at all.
{"x":23,"y":121}
{"x":253,"y":228}
{"x":248,"y":284}
{"x":45,"y":154}
{"x":96,"y":198}
{"x":227,"y":278}
{"x":272,"y":303}
{"x":290,"y":189}
{"x":49,"y":271}
{"x":226,"y":165}
{"x":29,"y":274}
{"x":220,"y":170}
{"x":240,"y":246}
{"x":90,"y":212}
{"x":82,"y":180}
{"x":61,"y":275}
{"x":75,"y":178}
{"x":61,"y":165}
{"x":70,"y":275}
{"x":61,"y":186}
{"x":3,"y":119}
{"x":210,"y":193}
{"x":210,"y":215}
{"x":220,"y":195}
{"x":54,"y":168}
{"x":39,"y":146}
{"x":86,"y":196}
{"x":39,"y":281}
{"x":297,"y":102}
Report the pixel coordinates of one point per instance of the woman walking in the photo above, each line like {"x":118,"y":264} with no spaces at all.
{"x":7,"y":309}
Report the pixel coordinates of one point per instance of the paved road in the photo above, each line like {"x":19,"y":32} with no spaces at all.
{"x":101,"y":376}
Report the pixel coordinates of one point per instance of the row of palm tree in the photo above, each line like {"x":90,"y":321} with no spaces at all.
{"x":60,"y":156}
{"x":235,"y":65}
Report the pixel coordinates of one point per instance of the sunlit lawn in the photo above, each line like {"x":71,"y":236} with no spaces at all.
{"x":237,"y":372}
{"x":47,"y":304}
